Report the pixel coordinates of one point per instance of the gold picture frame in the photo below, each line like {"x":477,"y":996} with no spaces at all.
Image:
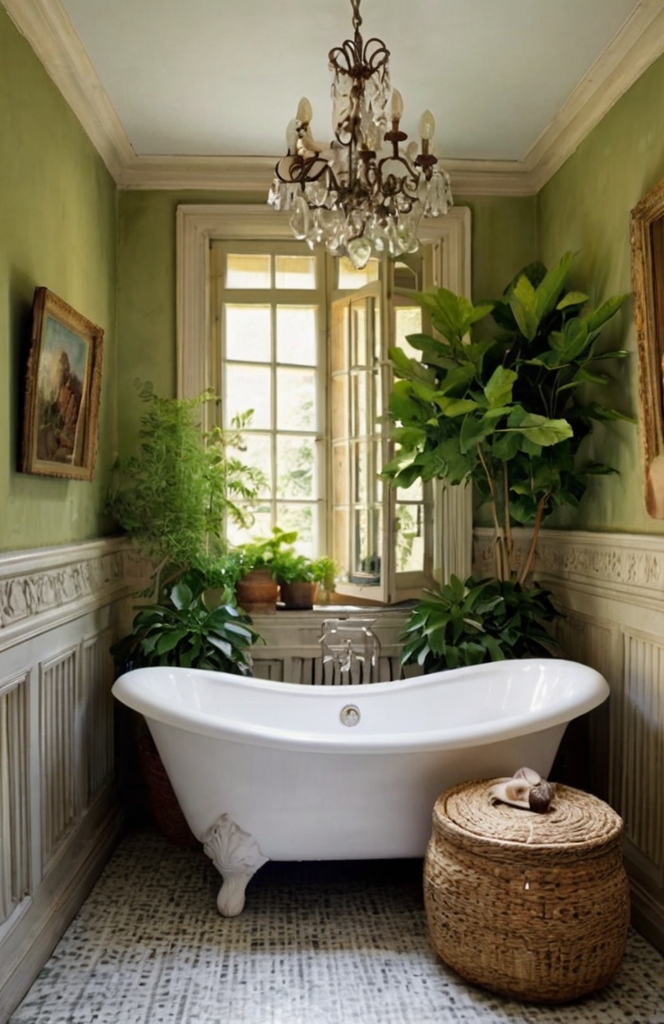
{"x":63,"y":388}
{"x":647,"y":247}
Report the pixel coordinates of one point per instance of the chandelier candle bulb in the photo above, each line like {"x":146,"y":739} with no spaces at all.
{"x":304,"y":112}
{"x":427,"y":126}
{"x":397,"y":105}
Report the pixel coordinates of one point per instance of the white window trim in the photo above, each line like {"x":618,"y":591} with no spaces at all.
{"x":197,"y":225}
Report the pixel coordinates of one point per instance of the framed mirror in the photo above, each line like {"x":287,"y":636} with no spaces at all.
{"x":647,"y":242}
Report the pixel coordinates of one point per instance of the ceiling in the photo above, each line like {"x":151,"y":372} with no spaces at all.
{"x":180,"y":79}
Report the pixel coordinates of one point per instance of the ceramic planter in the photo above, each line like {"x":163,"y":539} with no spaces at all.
{"x":257,"y":593}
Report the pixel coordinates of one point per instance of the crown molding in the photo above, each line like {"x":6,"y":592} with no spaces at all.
{"x":49,"y":30}
{"x":632,"y":50}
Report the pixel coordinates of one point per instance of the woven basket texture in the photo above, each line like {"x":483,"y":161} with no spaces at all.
{"x":164,"y":806}
{"x":533,"y":906}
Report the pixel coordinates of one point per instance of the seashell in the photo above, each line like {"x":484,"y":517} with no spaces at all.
{"x":540,"y":797}
{"x":529,"y":774}
{"x":512,"y":791}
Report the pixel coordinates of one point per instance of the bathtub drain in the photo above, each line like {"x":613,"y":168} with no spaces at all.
{"x":350,"y":715}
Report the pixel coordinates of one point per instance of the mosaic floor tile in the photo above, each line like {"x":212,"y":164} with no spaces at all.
{"x":341,"y":943}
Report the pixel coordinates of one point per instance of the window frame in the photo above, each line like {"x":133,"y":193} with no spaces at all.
{"x":197,"y":225}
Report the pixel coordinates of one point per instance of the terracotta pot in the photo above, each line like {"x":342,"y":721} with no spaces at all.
{"x":298,"y":596}
{"x":257,"y":593}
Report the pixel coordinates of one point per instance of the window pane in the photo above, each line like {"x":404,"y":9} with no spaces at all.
{"x":349,"y":277}
{"x":260,"y":527}
{"x":296,"y":334}
{"x":340,"y":481}
{"x":359,"y":422}
{"x":247,"y":270}
{"x":295,"y":467}
{"x":340,"y":424}
{"x":300,"y":518}
{"x":248,"y":387}
{"x":412,"y":493}
{"x":339,"y":337}
{"x":340,"y":549}
{"x":360,"y":474}
{"x":248,"y":333}
{"x":367,"y":546}
{"x":359,"y":351}
{"x":259,"y":453}
{"x":296,"y":399}
{"x":410,"y":538}
{"x":295,"y":271}
{"x":408,"y":320}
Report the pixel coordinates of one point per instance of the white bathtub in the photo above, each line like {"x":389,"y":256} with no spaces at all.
{"x":267,"y":770}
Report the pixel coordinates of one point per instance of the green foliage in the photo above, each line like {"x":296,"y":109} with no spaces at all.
{"x":186,"y":629}
{"x":478,"y":621}
{"x":172,"y":496}
{"x":290,"y":567}
{"x":277,"y":554}
{"x":262,"y":552}
{"x":509,"y":413}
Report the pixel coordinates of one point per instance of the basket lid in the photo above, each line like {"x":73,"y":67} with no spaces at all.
{"x":575,"y":821}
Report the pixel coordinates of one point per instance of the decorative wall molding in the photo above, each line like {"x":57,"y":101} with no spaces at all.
{"x":60,"y":583}
{"x":49,"y":30}
{"x":60,"y":610}
{"x":617,"y":563}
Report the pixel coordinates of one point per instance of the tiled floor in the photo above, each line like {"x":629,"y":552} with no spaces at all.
{"x":316,"y":944}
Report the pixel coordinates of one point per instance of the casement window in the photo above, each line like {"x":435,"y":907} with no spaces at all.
{"x":302,"y":339}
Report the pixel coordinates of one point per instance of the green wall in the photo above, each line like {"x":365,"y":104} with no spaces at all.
{"x":504,"y":240}
{"x":504,"y":233}
{"x":146,"y":294}
{"x":59,"y":225}
{"x":585,"y":208}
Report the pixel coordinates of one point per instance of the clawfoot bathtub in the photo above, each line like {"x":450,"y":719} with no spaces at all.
{"x":275,"y":770}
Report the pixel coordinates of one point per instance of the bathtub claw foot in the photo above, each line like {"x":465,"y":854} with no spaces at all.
{"x":237,"y":857}
{"x":230,"y":901}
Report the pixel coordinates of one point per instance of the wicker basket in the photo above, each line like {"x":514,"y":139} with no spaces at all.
{"x":164,"y":806}
{"x":534,"y":906}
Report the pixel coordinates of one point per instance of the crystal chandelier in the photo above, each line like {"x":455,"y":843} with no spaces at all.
{"x":350,"y":195}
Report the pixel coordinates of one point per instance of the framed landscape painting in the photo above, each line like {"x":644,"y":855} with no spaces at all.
{"x":63,"y":387}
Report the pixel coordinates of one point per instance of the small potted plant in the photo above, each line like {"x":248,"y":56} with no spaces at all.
{"x":299,"y":578}
{"x":257,"y":587}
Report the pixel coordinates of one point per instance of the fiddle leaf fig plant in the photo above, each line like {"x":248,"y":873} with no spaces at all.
{"x":508,"y":413}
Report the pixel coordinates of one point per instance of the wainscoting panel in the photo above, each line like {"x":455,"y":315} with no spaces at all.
{"x":59,"y":708}
{"x":14,"y":798}
{"x":642,"y":761}
{"x":610,"y":588}
{"x":97,"y":713}
{"x":60,"y":609}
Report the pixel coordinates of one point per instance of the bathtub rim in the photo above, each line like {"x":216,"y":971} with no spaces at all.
{"x":351,"y":741}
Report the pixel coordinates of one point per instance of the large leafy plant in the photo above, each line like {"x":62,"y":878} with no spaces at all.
{"x":467,"y":623}
{"x":508,"y":413}
{"x":187,"y":629}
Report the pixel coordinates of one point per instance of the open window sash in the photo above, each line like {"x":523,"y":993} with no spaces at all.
{"x":381,"y":538}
